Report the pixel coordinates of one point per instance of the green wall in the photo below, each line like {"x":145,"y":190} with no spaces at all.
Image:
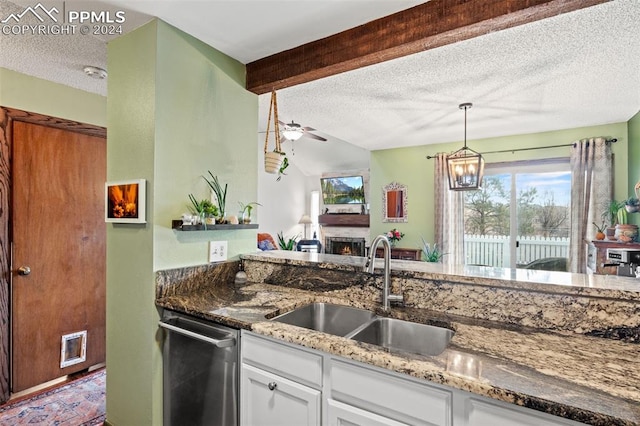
{"x":133,"y":357}
{"x":205,"y":120}
{"x":32,"y":94}
{"x":409,"y":166}
{"x":177,"y":108}
{"x":634,"y":160}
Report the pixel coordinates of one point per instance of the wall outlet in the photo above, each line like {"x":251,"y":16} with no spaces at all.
{"x":217,"y":251}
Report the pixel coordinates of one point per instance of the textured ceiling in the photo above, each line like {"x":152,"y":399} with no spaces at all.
{"x":572,"y":70}
{"x":58,"y":58}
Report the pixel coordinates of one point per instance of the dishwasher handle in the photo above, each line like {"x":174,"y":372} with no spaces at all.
{"x":220,"y":343}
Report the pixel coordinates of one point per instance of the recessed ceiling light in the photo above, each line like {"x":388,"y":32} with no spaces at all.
{"x":95,"y":72}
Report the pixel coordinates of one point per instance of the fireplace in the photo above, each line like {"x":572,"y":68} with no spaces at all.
{"x":345,"y":246}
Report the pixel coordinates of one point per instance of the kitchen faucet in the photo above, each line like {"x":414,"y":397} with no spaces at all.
{"x":369,"y":265}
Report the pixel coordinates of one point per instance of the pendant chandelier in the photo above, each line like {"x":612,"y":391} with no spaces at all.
{"x":465,"y":166}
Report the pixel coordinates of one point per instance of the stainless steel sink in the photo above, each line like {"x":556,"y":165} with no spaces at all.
{"x":405,"y":336}
{"x":326,"y":317}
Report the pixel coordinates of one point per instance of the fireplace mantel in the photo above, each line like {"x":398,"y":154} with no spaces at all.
{"x":338,"y":219}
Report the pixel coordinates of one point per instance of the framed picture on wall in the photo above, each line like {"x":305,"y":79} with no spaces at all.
{"x":125,"y":201}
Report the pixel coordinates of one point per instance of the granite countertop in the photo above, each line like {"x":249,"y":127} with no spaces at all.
{"x":588,"y":379}
{"x":613,"y":286}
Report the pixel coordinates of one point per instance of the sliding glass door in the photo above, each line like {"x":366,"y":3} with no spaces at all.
{"x":521,"y":216}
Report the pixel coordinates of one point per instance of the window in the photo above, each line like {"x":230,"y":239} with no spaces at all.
{"x":521,"y":216}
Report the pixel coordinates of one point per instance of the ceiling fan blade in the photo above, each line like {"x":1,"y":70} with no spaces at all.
{"x":308,"y":129}
{"x":312,"y":136}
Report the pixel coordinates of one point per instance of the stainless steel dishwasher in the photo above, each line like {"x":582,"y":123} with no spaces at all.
{"x":200,"y":372}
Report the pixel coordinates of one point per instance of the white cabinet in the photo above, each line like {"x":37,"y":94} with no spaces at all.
{"x":481,"y":412}
{"x":269,"y":399}
{"x":388,"y":394}
{"x":280,"y":384}
{"x":339,"y":414}
{"x":286,"y":384}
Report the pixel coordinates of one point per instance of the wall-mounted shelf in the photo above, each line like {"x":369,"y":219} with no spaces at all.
{"x":178,"y":226}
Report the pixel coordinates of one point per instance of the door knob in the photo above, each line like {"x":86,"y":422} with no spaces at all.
{"x":24,"y":270}
{"x":272,"y":385}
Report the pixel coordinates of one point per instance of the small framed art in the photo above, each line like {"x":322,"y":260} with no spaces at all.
{"x":125,"y":201}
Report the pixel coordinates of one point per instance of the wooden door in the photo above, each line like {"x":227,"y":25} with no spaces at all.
{"x":58,"y":232}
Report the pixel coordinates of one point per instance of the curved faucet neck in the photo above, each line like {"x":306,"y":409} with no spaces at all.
{"x":380,"y":239}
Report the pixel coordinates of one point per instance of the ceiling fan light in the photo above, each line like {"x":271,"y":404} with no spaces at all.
{"x":293,"y":133}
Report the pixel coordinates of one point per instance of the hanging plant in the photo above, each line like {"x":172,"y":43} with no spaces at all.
{"x":273,"y":159}
{"x":283,"y":167}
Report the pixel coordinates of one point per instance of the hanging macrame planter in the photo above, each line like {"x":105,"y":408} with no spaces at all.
{"x":273,"y":159}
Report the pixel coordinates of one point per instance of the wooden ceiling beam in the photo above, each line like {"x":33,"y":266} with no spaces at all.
{"x":423,"y":27}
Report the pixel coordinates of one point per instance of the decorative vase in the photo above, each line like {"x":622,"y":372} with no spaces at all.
{"x":244,"y":217}
{"x":272,"y":162}
{"x":610,"y":233}
{"x":626,"y":233}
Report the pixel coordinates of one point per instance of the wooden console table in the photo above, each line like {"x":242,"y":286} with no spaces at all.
{"x":402,"y":253}
{"x":597,"y":255}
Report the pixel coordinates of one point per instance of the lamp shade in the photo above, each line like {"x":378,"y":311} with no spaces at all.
{"x":305,"y":220}
{"x":466,"y":168}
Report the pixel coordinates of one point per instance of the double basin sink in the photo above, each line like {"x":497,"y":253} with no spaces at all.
{"x":365,"y":326}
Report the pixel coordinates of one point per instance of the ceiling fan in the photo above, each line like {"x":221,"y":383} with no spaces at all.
{"x":293,"y":131}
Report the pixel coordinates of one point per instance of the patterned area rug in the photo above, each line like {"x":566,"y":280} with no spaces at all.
{"x":80,"y":402}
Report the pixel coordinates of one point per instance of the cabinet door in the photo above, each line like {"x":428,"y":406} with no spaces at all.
{"x":268,"y":399}
{"x":339,"y":414}
{"x":389,"y":395}
{"x":481,"y":413}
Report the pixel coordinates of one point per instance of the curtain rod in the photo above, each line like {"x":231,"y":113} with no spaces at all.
{"x":429,"y":157}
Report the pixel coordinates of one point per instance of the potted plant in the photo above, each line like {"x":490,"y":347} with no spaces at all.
{"x":287,"y":243}
{"x":205,"y":210}
{"x":625,"y":233}
{"x":220,"y":193}
{"x":610,"y":216}
{"x":430,"y":254}
{"x":245,"y":211}
{"x":600,"y":235}
{"x":283,"y":167}
{"x":273,"y":160}
{"x":632,"y":205}
{"x":210,"y":212}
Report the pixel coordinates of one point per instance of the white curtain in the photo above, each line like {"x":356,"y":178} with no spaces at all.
{"x":449,"y":210}
{"x":591,"y":192}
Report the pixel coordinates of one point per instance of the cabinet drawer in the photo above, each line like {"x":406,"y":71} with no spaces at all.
{"x":283,"y":359}
{"x":389,"y":395}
